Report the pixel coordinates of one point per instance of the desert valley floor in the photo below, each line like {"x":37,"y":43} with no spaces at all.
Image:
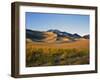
{"x":52,"y":54}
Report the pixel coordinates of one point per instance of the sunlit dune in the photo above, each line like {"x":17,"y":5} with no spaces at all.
{"x":80,"y":44}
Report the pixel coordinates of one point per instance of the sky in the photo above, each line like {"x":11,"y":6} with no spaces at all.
{"x":72,"y":23}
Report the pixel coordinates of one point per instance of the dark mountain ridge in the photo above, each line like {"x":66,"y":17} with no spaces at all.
{"x":61,"y":33}
{"x":53,"y":35}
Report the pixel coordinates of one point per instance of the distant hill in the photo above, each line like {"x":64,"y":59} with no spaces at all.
{"x":51,"y":36}
{"x":60,"y":33}
{"x":76,"y":35}
{"x":86,"y":36}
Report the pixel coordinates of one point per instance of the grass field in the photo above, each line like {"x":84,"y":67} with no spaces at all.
{"x":52,"y":54}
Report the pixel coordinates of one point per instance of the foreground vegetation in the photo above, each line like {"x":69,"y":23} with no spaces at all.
{"x":55,"y":56}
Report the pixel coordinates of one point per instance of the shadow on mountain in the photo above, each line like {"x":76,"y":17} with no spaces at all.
{"x":51,"y":36}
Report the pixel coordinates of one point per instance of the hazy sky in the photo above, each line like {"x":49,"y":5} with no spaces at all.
{"x":64,"y":22}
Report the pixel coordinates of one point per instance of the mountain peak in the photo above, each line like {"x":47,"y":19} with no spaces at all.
{"x":76,"y":35}
{"x":66,"y":34}
{"x":86,"y":36}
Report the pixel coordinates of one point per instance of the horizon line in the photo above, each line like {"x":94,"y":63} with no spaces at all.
{"x":58,"y":30}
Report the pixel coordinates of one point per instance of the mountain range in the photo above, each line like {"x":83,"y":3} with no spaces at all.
{"x":52,"y":35}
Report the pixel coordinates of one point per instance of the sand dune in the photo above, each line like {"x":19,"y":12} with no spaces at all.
{"x":49,"y":37}
{"x":80,"y":44}
{"x":38,"y":39}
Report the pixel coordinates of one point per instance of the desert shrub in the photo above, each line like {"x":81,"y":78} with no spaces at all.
{"x":54,"y":56}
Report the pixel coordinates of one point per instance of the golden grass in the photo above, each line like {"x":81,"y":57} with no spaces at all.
{"x":81,"y":44}
{"x":51,"y":54}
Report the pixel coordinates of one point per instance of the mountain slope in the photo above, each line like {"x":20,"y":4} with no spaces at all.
{"x":86,"y":36}
{"x":41,"y":36}
{"x":65,"y":34}
{"x":52,"y":36}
